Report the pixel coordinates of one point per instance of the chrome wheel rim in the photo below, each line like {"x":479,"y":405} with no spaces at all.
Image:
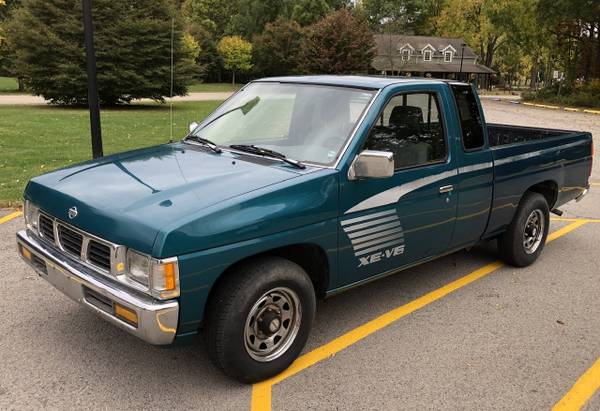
{"x":272,"y":324}
{"x":534,"y":231}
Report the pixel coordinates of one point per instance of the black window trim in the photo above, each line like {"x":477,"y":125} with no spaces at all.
{"x":462,"y":137}
{"x":441,"y":116}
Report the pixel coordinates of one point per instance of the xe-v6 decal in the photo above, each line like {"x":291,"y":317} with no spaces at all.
{"x":375,"y":236}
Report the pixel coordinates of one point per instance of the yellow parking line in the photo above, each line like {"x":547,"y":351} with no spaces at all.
{"x":571,"y":109}
{"x":592,"y":111}
{"x":10,"y":216}
{"x":261,"y":392}
{"x":581,"y":391}
{"x":587,"y":220}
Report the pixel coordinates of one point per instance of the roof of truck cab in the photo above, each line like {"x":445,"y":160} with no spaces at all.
{"x":368,"y":82}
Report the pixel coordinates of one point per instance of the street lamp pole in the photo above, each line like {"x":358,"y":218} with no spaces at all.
{"x":90,"y":54}
{"x":462,"y":53}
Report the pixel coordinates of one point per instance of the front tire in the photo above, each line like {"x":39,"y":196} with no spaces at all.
{"x":525,"y":238}
{"x":259,"y":318}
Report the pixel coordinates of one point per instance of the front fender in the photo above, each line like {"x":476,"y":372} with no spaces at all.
{"x":200,"y":270}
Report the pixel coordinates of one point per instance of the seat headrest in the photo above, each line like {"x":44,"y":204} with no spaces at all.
{"x":407,"y":119}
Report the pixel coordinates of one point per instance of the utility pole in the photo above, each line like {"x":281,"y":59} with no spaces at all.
{"x":90,"y":54}
{"x":462,"y":53}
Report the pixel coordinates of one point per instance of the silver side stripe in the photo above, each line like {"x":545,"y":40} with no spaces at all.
{"x":370,"y":223}
{"x":367,"y":217}
{"x":378,"y":241}
{"x":377,"y":229}
{"x":475,"y":167}
{"x":379,"y":234}
{"x":379,"y":247}
{"x":393,"y":195}
{"x":373,"y":231}
{"x":536,"y":153}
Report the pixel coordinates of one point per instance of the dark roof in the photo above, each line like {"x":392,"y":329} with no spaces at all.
{"x":382,"y":63}
{"x":367,"y":82}
{"x":388,"y":56}
{"x":383,"y":42}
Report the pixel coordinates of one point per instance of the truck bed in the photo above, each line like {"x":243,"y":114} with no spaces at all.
{"x":500,"y":134}
{"x":558,"y":162}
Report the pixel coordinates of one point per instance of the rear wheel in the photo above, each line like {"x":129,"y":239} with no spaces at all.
{"x":259,"y":318}
{"x":524,"y":240}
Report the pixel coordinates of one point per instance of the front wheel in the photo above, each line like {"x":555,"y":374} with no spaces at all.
{"x":524,"y":240}
{"x":259,"y":319}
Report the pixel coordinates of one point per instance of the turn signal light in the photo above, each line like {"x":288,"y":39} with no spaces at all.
{"x":127,"y":315}
{"x":170,"y":281}
{"x":25,"y":252}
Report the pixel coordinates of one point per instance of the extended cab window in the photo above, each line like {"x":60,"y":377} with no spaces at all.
{"x":410,"y":126}
{"x":470,"y":119}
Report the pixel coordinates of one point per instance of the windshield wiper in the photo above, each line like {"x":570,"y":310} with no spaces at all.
{"x":268,"y":153}
{"x":204,"y":141}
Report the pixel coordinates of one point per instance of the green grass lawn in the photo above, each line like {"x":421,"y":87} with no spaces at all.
{"x":37,"y":139}
{"x":8,"y":85}
{"x":213,"y":87}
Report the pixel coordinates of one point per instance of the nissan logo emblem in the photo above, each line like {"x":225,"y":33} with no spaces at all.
{"x":73,"y":212}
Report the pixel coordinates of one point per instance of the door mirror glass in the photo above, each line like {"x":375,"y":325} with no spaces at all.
{"x":372,"y":164}
{"x":193,"y":126}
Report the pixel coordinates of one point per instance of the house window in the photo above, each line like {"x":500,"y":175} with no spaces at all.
{"x":448,"y":56}
{"x":427,"y":55}
{"x":405,"y":55}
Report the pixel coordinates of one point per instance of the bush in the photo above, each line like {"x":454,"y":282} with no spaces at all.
{"x":133,"y":47}
{"x":581,"y":95}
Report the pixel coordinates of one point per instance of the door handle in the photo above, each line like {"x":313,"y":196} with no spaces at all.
{"x":446,"y":189}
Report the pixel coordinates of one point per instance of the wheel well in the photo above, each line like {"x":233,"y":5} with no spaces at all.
{"x":549,"y":189}
{"x":310,"y":257}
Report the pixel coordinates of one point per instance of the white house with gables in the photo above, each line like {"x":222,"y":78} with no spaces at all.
{"x":423,"y":56}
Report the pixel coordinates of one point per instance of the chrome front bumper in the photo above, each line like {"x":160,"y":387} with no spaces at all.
{"x":156,"y":320}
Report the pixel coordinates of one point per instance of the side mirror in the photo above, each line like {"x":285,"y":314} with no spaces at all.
{"x":372,"y":164}
{"x":193,"y":126}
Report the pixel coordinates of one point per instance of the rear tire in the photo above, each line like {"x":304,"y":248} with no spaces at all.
{"x":524,"y":240}
{"x":259,"y":319}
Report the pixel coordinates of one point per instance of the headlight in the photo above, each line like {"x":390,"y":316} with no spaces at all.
{"x":32,"y":216}
{"x":161,"y":277}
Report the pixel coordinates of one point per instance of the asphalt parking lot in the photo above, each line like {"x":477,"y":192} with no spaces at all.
{"x":462,"y":332}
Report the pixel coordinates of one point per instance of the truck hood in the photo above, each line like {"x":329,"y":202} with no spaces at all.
{"x":127,"y":198}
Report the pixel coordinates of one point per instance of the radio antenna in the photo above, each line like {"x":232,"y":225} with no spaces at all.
{"x":172,"y":77}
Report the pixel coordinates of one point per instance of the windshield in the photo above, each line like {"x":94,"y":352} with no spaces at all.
{"x":309,"y":123}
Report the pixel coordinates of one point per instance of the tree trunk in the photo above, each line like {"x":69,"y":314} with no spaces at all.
{"x":533,"y":84}
{"x":21,"y":84}
{"x":233,"y":78}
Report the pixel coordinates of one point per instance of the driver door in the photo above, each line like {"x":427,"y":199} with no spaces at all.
{"x":390,"y":223}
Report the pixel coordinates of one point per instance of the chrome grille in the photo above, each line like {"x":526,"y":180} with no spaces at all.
{"x":46,"y":228}
{"x":99,"y":254}
{"x":89,"y":249}
{"x":70,"y":240}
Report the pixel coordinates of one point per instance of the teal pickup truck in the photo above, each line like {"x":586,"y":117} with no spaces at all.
{"x":294,"y":189}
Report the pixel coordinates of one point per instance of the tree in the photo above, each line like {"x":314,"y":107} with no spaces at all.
{"x":133,"y":47}
{"x":213,"y":16}
{"x":307,"y":12}
{"x":276,"y":50}
{"x":339,"y":43}
{"x":236,"y":54}
{"x":400,"y":16}
{"x":253,"y":15}
{"x":478,"y":23}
